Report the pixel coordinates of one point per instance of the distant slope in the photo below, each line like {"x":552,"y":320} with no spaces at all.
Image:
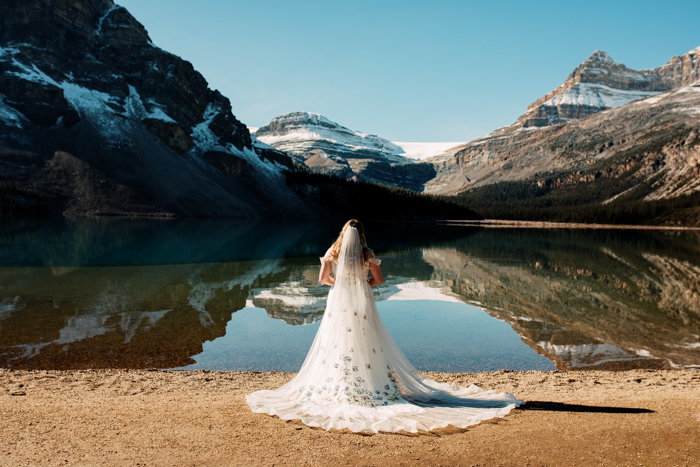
{"x":329,"y":148}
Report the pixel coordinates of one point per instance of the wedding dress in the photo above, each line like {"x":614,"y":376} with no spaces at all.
{"x":356,"y":377}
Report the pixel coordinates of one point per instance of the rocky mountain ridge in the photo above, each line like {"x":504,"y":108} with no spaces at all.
{"x":644,"y":151}
{"x":601,"y":83}
{"x":329,"y":148}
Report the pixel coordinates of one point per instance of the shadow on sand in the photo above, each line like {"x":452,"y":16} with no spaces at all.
{"x":561,"y":407}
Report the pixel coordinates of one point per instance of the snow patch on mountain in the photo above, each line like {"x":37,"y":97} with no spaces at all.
{"x":136,"y":108}
{"x":299,"y":132}
{"x":596,"y":95}
{"x":8,"y":115}
{"x":102,"y":19}
{"x":419,"y":151}
{"x":88,"y":102}
{"x":205,"y":140}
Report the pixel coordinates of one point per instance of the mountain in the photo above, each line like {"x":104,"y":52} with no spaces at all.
{"x":313,"y":134}
{"x":610,"y":145}
{"x":329,"y":148}
{"x":96,"y":119}
{"x":609,"y":138}
{"x":636,"y":163}
{"x":519,"y":153}
{"x":601,"y":83}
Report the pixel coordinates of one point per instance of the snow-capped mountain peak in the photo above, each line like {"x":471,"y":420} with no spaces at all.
{"x":299,"y":132}
{"x":601,"y":83}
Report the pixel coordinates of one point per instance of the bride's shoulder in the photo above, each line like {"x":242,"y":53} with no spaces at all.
{"x":371,"y":258}
{"x":328,"y":257}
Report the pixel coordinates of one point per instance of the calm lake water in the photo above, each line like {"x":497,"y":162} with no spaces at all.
{"x":244,"y":295}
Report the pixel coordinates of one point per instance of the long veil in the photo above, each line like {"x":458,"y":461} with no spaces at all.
{"x":356,"y":377}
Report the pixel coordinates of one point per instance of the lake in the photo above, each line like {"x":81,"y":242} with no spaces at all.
{"x":244,"y":295}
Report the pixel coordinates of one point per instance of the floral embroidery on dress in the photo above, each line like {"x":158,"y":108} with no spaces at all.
{"x":352,"y":390}
{"x":351,"y":386}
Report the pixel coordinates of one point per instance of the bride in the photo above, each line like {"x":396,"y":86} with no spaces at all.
{"x":355,"y":376}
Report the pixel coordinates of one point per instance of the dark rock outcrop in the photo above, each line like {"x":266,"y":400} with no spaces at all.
{"x":231,"y":165}
{"x":172,"y":134}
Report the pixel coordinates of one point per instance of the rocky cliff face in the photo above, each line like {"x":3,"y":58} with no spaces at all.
{"x":645,"y":150}
{"x":97,"y":119}
{"x":600,"y":83}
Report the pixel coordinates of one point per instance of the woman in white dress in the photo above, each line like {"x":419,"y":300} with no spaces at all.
{"x":355,"y":376}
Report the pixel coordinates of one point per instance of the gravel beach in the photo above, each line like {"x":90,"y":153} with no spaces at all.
{"x":144,"y":418}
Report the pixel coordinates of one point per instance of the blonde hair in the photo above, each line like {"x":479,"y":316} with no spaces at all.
{"x":335,"y":248}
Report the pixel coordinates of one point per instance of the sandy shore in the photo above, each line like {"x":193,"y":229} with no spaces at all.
{"x":137,"y":418}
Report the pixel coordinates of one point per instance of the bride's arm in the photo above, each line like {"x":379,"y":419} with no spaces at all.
{"x":324,"y":277}
{"x":377,"y":278}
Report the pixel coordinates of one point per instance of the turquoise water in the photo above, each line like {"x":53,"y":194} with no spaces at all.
{"x":435,"y":335}
{"x":237,"y":295}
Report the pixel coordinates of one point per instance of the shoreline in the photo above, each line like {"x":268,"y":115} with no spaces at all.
{"x":496,"y":223}
{"x":176,"y":417}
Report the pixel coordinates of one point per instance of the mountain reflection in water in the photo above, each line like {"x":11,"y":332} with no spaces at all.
{"x":141,"y":294}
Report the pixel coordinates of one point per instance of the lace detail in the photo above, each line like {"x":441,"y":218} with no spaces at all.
{"x":328,"y":258}
{"x":373,"y":259}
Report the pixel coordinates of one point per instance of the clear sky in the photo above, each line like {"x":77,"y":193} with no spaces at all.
{"x":408,"y":70}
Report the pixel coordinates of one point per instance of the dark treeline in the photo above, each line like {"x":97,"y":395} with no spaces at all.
{"x":347,"y":198}
{"x":20,"y":202}
{"x":526,"y":201}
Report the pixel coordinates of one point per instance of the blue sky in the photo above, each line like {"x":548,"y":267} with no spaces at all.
{"x":408,"y":70}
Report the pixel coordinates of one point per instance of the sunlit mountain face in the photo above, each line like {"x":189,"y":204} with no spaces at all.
{"x":75,"y":296}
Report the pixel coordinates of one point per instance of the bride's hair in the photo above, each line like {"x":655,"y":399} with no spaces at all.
{"x":335,"y":248}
